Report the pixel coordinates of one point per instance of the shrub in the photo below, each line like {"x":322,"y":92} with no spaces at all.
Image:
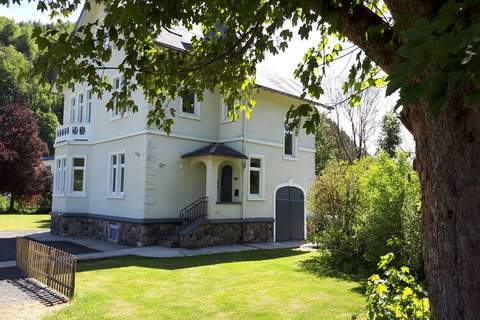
{"x":357,"y":208}
{"x":391,"y":202}
{"x":335,"y":200}
{"x":397,"y":295}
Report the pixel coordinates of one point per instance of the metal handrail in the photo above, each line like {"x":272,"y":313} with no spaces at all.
{"x":195,"y":211}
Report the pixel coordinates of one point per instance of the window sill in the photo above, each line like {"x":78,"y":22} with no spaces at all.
{"x":255,"y":198}
{"x":236,"y":202}
{"x":115,"y":197}
{"x":189,"y":116}
{"x":226,"y":121}
{"x":58,"y":195}
{"x":117,"y":118}
{"x":290,"y":158}
{"x":77,"y":194}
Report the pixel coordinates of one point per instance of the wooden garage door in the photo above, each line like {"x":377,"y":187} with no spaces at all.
{"x":290,"y":216}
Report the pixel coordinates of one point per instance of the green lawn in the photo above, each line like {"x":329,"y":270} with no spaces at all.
{"x":263,"y":284}
{"x":24,"y":221}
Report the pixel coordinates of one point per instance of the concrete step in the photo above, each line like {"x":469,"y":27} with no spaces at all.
{"x":168,"y":243}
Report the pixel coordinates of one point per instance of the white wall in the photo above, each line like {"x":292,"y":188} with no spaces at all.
{"x":159,"y":183}
{"x":96,"y":199}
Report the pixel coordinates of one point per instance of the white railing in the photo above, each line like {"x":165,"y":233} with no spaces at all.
{"x":74,"y":132}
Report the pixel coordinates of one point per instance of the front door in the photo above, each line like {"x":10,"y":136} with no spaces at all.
{"x":290,"y":214}
{"x":226,"y":184}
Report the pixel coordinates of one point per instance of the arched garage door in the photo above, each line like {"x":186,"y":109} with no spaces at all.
{"x":289,"y":215}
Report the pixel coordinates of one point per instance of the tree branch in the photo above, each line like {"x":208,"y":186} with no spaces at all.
{"x":361,"y":26}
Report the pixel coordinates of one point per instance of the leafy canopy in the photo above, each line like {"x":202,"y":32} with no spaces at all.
{"x":426,"y":47}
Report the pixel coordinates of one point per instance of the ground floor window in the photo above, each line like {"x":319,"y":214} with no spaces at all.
{"x":60,"y":169}
{"x":117,"y":175}
{"x":78,"y":174}
{"x":256,"y":176}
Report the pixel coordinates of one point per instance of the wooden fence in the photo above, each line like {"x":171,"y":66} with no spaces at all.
{"x":53,"y":267}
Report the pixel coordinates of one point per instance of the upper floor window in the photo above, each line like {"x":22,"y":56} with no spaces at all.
{"x":224,"y":115}
{"x":73,"y":108}
{"x":106,"y":41}
{"x":117,"y":86}
{"x":80,"y":107}
{"x":289,"y":143}
{"x":256,"y":179}
{"x":78,"y":174}
{"x":89,"y":106}
{"x":190,"y":105}
{"x":117,"y":175}
{"x":60,"y":176}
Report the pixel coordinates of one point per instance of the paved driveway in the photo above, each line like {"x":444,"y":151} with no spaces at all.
{"x":8,"y":246}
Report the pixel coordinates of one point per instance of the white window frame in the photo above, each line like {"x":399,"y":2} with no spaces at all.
{"x":117,"y":194}
{"x":262,"y":176}
{"x":196,"y":115}
{"x":106,"y":41}
{"x":81,"y":107}
{"x":73,"y":107}
{"x":60,"y":178}
{"x":224,"y":118}
{"x":294,"y":154}
{"x":72,"y":175}
{"x":115,"y":113}
{"x":88,"y":113}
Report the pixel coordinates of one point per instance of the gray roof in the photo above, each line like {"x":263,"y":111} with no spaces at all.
{"x":215,"y":149}
{"x":179,"y":38}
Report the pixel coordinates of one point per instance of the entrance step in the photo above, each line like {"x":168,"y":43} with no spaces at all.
{"x":168,"y":243}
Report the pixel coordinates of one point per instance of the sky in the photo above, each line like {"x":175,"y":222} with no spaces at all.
{"x":284,"y":63}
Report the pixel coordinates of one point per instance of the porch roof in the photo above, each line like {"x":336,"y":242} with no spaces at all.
{"x":216,"y":149}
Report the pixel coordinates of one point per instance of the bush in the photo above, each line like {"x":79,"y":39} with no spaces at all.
{"x":4,"y":201}
{"x":391,"y":203}
{"x":357,"y":208}
{"x":397,"y":295}
{"x":335,"y":200}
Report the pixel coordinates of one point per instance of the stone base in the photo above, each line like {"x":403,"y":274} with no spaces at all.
{"x":129,"y":233}
{"x":139,"y":234}
{"x":220,"y":234}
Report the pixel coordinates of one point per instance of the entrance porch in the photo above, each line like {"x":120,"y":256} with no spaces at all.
{"x":219,"y":173}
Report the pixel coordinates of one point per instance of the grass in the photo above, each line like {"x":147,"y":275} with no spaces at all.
{"x":263,"y":284}
{"x":24,"y":221}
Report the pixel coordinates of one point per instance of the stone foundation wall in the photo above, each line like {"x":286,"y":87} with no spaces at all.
{"x":130,"y":234}
{"x":138,"y":234}
{"x":220,"y":234}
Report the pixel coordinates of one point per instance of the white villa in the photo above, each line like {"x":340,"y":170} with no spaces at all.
{"x":210,"y":182}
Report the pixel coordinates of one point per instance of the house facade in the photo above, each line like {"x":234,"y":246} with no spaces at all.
{"x":211,"y":181}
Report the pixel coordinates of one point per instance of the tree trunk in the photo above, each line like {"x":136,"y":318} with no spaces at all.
{"x":448,"y":162}
{"x":12,"y":203}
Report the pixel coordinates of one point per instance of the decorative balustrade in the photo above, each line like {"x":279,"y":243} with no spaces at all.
{"x":74,"y":132}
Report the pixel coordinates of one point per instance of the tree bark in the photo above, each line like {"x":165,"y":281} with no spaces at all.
{"x":448,"y":163}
